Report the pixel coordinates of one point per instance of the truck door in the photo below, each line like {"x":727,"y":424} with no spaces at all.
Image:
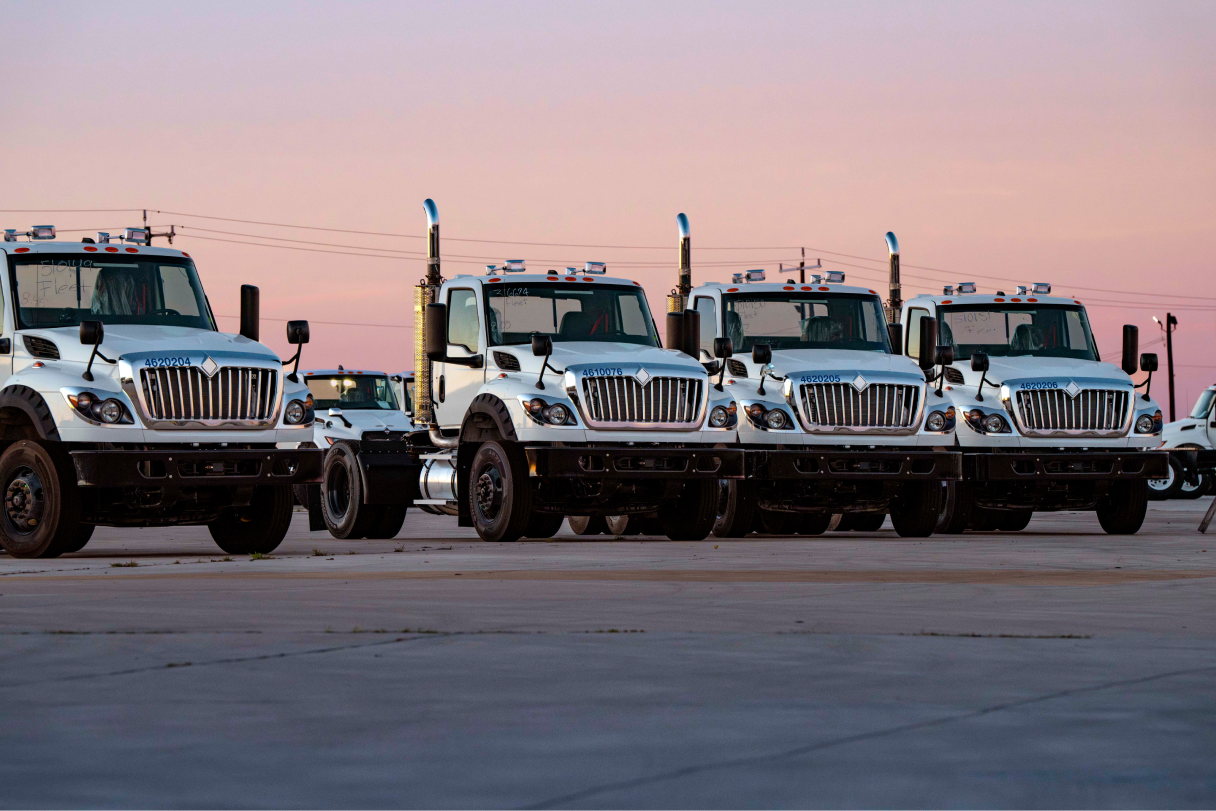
{"x":8,"y":322}
{"x":1209,"y":421}
{"x":708,"y":310}
{"x":457,"y":384}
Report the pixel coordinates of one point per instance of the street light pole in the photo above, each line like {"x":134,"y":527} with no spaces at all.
{"x":1170,"y":323}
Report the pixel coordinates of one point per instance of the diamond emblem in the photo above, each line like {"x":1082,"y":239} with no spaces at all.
{"x":860,"y":383}
{"x":209,"y":366}
{"x":1072,"y":388}
{"x":642,"y":376}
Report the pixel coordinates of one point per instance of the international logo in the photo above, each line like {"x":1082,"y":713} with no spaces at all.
{"x":642,"y":376}
{"x":209,"y":366}
{"x":860,"y":383}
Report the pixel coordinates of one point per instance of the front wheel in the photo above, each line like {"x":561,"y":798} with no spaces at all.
{"x":41,"y":501}
{"x":867,"y":522}
{"x":736,"y":508}
{"x":1169,"y":485}
{"x":915,"y":510}
{"x":1014,"y":520}
{"x":257,"y":528}
{"x":691,"y":516}
{"x":500,"y":500}
{"x":392,"y":518}
{"x":1122,"y":510}
{"x":544,"y":525}
{"x":345,"y":514}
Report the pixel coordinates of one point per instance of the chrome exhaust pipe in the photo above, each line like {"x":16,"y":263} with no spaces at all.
{"x":677,"y":301}
{"x":424,"y":294}
{"x":895,"y":303}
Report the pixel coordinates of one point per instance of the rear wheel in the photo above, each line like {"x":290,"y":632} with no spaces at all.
{"x":258,"y":527}
{"x":1014,"y":520}
{"x":392,"y":518}
{"x":587,"y":524}
{"x":814,"y":523}
{"x":617,"y":524}
{"x":1122,"y":510}
{"x":956,"y":508}
{"x":691,"y":516}
{"x":83,"y":533}
{"x":736,"y":510}
{"x":1197,"y":490}
{"x":868,"y":522}
{"x":779,"y":523}
{"x":346,"y":516}
{"x":916,"y":509}
{"x":1169,"y":486}
{"x":41,"y":501}
{"x":544,"y":525}
{"x":500,"y":500}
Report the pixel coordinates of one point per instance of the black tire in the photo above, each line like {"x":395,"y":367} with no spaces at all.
{"x":736,"y":509}
{"x":691,"y":516}
{"x":588,"y":524}
{"x":618,"y":525}
{"x":867,"y":522}
{"x":83,"y":533}
{"x":1014,"y":520}
{"x":916,"y":509}
{"x":1168,"y":487}
{"x":499,"y":493}
{"x":779,"y":523}
{"x":845,"y":524}
{"x":956,"y":508}
{"x":392,"y":518}
{"x":814,"y":523}
{"x":983,"y":519}
{"x":38,"y":481}
{"x":1185,"y":491}
{"x":544,"y":525}
{"x":1121,"y":511}
{"x":257,"y":528}
{"x":346,"y":516}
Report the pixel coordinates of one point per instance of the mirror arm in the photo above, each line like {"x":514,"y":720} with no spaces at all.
{"x":979,"y":395}
{"x":96,"y":353}
{"x":540,"y":381}
{"x":1147,"y":385}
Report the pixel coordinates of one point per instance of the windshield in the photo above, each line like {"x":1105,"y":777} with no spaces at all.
{"x":806,"y":321}
{"x":1203,"y":405}
{"x":1044,"y":331}
{"x":63,"y":290}
{"x":351,"y":392}
{"x":568,"y":312}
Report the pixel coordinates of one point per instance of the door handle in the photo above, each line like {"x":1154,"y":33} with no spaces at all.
{"x":6,"y":346}
{"x":441,"y":388}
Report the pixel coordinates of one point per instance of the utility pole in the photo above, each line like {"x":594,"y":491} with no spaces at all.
{"x":802,"y":268}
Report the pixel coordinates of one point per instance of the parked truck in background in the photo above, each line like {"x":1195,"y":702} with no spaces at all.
{"x":1043,"y":423}
{"x":541,"y":395}
{"x":122,"y":404}
{"x":831,"y":417}
{"x":1197,"y":433}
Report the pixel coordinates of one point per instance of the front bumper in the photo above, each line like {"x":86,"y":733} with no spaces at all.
{"x":635,"y":463}
{"x":807,"y":465}
{"x":1065,"y":466}
{"x":197,"y":468}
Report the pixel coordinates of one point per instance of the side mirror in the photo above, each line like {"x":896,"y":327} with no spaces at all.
{"x":250,"y":312}
{"x":675,"y":331}
{"x":1131,"y":347}
{"x":92,"y":332}
{"x":762,"y":354}
{"x":928,"y":343}
{"x":437,"y":332}
{"x":723,"y":348}
{"x":692,"y":333}
{"x":945,"y":355}
{"x":1148,"y":362}
{"x":896,"y":333}
{"x":542,"y":346}
{"x":979,"y":362}
{"x":297,"y":332}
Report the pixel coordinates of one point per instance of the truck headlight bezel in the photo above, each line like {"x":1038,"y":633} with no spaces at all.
{"x":295,"y":412}
{"x":940,"y":422}
{"x":988,"y":422}
{"x":1153,"y":425}
{"x":722,"y":416}
{"x":548,"y":414}
{"x":100,"y":408}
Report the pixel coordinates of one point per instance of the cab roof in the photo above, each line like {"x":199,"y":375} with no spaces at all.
{"x":785,"y":287}
{"x":55,"y":246}
{"x":537,"y":278}
{"x":989,"y":298}
{"x":343,"y":372}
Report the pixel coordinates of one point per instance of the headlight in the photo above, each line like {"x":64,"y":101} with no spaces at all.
{"x":294,"y":413}
{"x":110,"y":411}
{"x":83,"y":401}
{"x":557,"y":414}
{"x":719,"y":416}
{"x":936,"y":421}
{"x":776,"y":419}
{"x":994,"y":424}
{"x":535,"y":407}
{"x":1145,"y":424}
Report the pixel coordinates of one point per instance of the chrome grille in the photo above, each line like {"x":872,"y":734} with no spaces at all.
{"x":1090,"y":410}
{"x":878,"y":405}
{"x":663,"y":400}
{"x":233,"y":393}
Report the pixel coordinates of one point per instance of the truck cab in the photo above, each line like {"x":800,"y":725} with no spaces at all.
{"x":1196,"y":432}
{"x":832,"y":418}
{"x":123,"y":404}
{"x":1044,"y":422}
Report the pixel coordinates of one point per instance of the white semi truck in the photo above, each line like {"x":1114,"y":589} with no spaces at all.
{"x":1194,"y":433}
{"x":832,"y":418}
{"x":541,"y":395}
{"x":1043,"y":423}
{"x":122,"y":404}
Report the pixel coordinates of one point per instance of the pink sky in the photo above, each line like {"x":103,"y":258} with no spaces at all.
{"x":1070,"y":143}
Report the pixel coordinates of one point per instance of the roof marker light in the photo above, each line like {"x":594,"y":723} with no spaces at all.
{"x":42,"y":232}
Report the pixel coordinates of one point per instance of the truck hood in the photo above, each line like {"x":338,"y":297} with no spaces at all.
{"x":369,"y":419}
{"x":789,"y":361}
{"x":128,"y":339}
{"x":595,"y":353}
{"x":1062,"y":370}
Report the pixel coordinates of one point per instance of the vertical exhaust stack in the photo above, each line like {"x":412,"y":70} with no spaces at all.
{"x":424,"y":294}
{"x":896,"y":302}
{"x":678,"y":300}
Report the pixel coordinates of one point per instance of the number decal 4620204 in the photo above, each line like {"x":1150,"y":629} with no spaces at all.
{"x":161,"y":363}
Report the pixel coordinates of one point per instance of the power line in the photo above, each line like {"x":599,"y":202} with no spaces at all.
{"x":332,"y":323}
